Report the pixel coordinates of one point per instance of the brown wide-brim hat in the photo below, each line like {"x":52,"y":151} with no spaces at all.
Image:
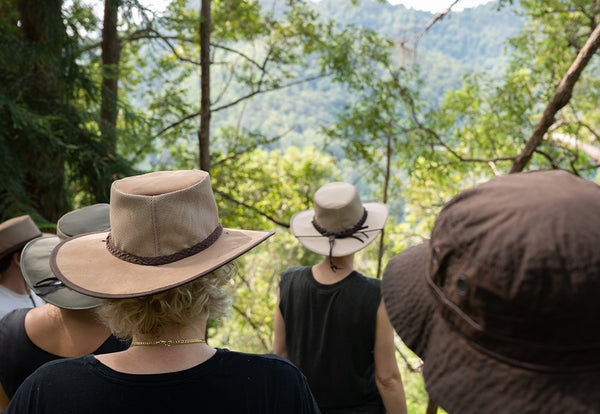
{"x":165,"y":232}
{"x":502,"y":302}
{"x":15,"y":233}
{"x":337,"y":210}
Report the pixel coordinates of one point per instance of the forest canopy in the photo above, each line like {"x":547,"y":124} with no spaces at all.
{"x":275,"y":98}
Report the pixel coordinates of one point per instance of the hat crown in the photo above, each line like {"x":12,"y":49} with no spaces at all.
{"x":518,"y":257}
{"x":86,"y":219}
{"x":16,"y":232}
{"x":162,"y":213}
{"x":337,"y":207}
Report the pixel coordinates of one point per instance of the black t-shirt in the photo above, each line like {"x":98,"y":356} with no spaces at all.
{"x":330,"y":336}
{"x":19,"y":357}
{"x":228,"y":382}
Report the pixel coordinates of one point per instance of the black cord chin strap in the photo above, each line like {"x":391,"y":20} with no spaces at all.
{"x":354,"y":232}
{"x":47,"y":286}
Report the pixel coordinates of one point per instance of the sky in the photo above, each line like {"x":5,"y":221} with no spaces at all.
{"x":437,"y":6}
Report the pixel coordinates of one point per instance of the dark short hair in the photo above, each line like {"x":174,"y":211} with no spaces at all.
{"x":5,"y":262}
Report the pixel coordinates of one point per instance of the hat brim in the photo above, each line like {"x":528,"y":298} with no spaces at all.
{"x":85,"y":264}
{"x":302,"y":227}
{"x":408,"y":303}
{"x":459,"y":377}
{"x":35,"y":266}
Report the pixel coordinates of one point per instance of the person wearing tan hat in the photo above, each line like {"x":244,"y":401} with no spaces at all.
{"x":67,"y":325}
{"x":501,"y":303}
{"x":330,"y":320}
{"x":161,"y":272}
{"x":14,"y":292}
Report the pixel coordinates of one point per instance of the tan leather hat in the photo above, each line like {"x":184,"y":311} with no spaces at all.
{"x":165,"y":232}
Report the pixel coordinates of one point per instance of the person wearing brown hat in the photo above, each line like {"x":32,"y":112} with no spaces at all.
{"x":330,"y":320}
{"x":67,"y":325}
{"x":161,"y":272}
{"x":502,"y":302}
{"x":14,"y":292}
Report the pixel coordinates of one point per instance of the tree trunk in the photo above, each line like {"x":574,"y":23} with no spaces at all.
{"x":111,"y":54}
{"x":41,"y":24}
{"x":431,"y":407}
{"x":386,"y":182}
{"x":204,"y":131}
{"x":559,"y":100}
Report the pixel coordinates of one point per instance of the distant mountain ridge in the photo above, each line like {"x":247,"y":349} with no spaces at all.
{"x":472,"y":40}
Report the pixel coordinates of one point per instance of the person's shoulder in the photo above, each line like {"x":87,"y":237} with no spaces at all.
{"x":295,"y":272}
{"x":279,"y":378}
{"x":266,"y":363}
{"x":65,"y":364}
{"x":14,"y":315}
{"x":367,"y":280}
{"x":254,"y":359}
{"x":13,"y":321}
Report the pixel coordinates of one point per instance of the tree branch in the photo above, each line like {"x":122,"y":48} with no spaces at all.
{"x":237,"y":52}
{"x":420,"y":126}
{"x":253,"y":325}
{"x":243,"y":204}
{"x":244,"y":150}
{"x":438,"y":17}
{"x":572,"y":142}
{"x":242,"y":98}
{"x":559,"y":100}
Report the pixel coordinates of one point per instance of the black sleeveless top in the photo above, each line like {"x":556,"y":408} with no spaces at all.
{"x":330,"y":336}
{"x":19,"y":357}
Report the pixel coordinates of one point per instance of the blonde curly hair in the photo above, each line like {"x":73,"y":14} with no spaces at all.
{"x":203,"y":298}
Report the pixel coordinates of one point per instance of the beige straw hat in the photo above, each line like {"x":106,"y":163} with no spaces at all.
{"x":340,"y":224}
{"x":165,"y":232}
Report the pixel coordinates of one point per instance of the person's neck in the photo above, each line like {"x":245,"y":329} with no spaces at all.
{"x":12,"y":279}
{"x":324,"y":274}
{"x":173,"y":333}
{"x":158,"y":358}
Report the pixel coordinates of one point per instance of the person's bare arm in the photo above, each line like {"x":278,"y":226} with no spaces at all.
{"x":279,"y":347}
{"x":387,"y":374}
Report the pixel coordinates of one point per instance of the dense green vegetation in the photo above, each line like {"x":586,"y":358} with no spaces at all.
{"x":301,"y":94}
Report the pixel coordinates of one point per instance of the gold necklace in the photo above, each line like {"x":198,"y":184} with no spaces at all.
{"x":169,"y":342}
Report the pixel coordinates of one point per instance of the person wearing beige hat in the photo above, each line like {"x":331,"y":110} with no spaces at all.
{"x":330,"y":320}
{"x":67,"y":325}
{"x":14,"y":292}
{"x":161,"y":272}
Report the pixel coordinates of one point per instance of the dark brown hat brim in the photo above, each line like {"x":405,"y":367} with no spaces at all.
{"x":460,"y":377}
{"x":407,"y":298}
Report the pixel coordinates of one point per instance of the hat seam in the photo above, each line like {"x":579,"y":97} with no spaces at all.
{"x":154,"y":227}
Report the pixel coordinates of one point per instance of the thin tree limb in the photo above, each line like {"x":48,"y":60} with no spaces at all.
{"x":429,"y":25}
{"x":559,"y":100}
{"x":253,"y":325}
{"x":242,"y":98}
{"x":243,"y":204}
{"x":386,"y":180}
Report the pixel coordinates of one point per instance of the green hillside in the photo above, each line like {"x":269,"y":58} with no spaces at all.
{"x":472,"y":40}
